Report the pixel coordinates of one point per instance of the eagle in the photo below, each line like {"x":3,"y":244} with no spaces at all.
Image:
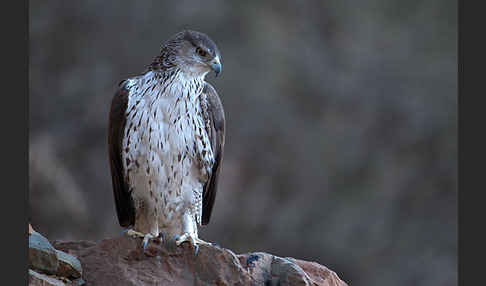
{"x":166,"y":138}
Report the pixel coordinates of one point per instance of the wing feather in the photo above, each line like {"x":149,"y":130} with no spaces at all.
{"x":217,"y":137}
{"x":121,"y":190}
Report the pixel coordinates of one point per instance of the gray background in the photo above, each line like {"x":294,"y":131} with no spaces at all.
{"x":341,"y":142}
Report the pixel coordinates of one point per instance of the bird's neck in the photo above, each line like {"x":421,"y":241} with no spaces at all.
{"x":177,"y":82}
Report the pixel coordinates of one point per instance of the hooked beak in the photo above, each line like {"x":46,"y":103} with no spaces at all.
{"x":215,"y":65}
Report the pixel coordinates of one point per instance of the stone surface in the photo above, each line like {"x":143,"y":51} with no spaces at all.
{"x":274,"y":270}
{"x":317,"y":273}
{"x":120,"y":261}
{"x":69,"y":266}
{"x":79,"y":282}
{"x":258,"y":266}
{"x":39,"y":279}
{"x":52,"y":266}
{"x":286,"y":273}
{"x":42,"y":256}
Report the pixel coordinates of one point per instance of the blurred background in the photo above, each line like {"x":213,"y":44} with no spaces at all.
{"x":341,"y":142}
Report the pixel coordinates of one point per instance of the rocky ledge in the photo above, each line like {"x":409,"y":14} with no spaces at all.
{"x":50,"y":266}
{"x":120,"y":261}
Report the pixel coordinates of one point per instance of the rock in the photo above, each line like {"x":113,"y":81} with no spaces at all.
{"x":258,"y":266}
{"x":39,"y":279}
{"x":42,"y":256}
{"x":79,"y":282}
{"x":120,"y":261}
{"x":69,"y":266}
{"x":274,"y":270}
{"x":56,"y":266}
{"x":286,"y":273}
{"x":317,"y":273}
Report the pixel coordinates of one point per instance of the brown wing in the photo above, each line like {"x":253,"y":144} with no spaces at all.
{"x":216,"y":134}
{"x":121,"y":190}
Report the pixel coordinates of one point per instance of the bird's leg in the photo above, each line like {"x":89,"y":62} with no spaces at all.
{"x":160,"y":238}
{"x":146,"y":237}
{"x":190,"y":234}
{"x":194,"y":240}
{"x":134,"y":234}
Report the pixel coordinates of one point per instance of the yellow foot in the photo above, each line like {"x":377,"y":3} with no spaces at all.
{"x":192,"y":239}
{"x":134,"y":234}
{"x":146,"y":237}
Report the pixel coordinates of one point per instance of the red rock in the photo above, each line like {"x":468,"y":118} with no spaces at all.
{"x":120,"y":261}
{"x":318,"y":274}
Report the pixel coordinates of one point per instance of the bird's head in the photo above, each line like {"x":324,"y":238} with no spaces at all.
{"x":193,"y":52}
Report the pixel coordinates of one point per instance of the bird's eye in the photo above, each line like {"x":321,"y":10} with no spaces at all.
{"x":201,"y":52}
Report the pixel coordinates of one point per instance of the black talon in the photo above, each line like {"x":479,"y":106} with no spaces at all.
{"x":160,"y":238}
{"x":145,"y":243}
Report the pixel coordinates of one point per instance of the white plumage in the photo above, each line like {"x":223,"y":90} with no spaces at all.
{"x":166,"y":139}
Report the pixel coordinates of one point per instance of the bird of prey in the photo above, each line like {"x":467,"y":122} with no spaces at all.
{"x":166,"y":139}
